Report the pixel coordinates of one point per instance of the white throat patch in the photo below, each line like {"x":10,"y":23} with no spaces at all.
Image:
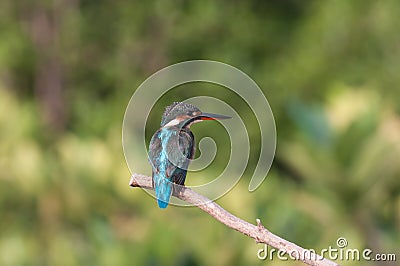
{"x":172,"y":123}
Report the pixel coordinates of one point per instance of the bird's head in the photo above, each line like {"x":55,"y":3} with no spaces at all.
{"x":183,"y":115}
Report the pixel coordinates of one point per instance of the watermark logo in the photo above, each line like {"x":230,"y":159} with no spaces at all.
{"x":340,"y":252}
{"x":152,"y":89}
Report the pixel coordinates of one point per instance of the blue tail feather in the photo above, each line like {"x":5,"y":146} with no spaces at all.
{"x":163,"y":188}
{"x":162,"y":204}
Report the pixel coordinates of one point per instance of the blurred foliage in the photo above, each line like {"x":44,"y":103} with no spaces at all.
{"x":67,"y":71}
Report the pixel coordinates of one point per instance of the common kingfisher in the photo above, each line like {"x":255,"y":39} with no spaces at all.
{"x":172,"y":147}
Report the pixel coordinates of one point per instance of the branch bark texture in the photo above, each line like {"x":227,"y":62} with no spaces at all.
{"x":258,"y":232}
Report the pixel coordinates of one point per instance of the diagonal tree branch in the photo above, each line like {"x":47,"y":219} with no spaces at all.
{"x":258,"y":232}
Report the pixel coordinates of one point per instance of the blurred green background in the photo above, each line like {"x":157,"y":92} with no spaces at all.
{"x":330,"y":70}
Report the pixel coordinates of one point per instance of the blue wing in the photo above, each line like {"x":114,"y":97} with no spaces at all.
{"x":187,"y":148}
{"x":162,"y":145}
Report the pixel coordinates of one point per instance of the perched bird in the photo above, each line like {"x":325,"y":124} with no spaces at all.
{"x":172,"y":147}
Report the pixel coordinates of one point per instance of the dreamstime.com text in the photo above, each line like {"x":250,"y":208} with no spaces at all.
{"x":341,"y":253}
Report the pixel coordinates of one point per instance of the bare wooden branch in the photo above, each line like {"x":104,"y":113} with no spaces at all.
{"x":258,"y":232}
